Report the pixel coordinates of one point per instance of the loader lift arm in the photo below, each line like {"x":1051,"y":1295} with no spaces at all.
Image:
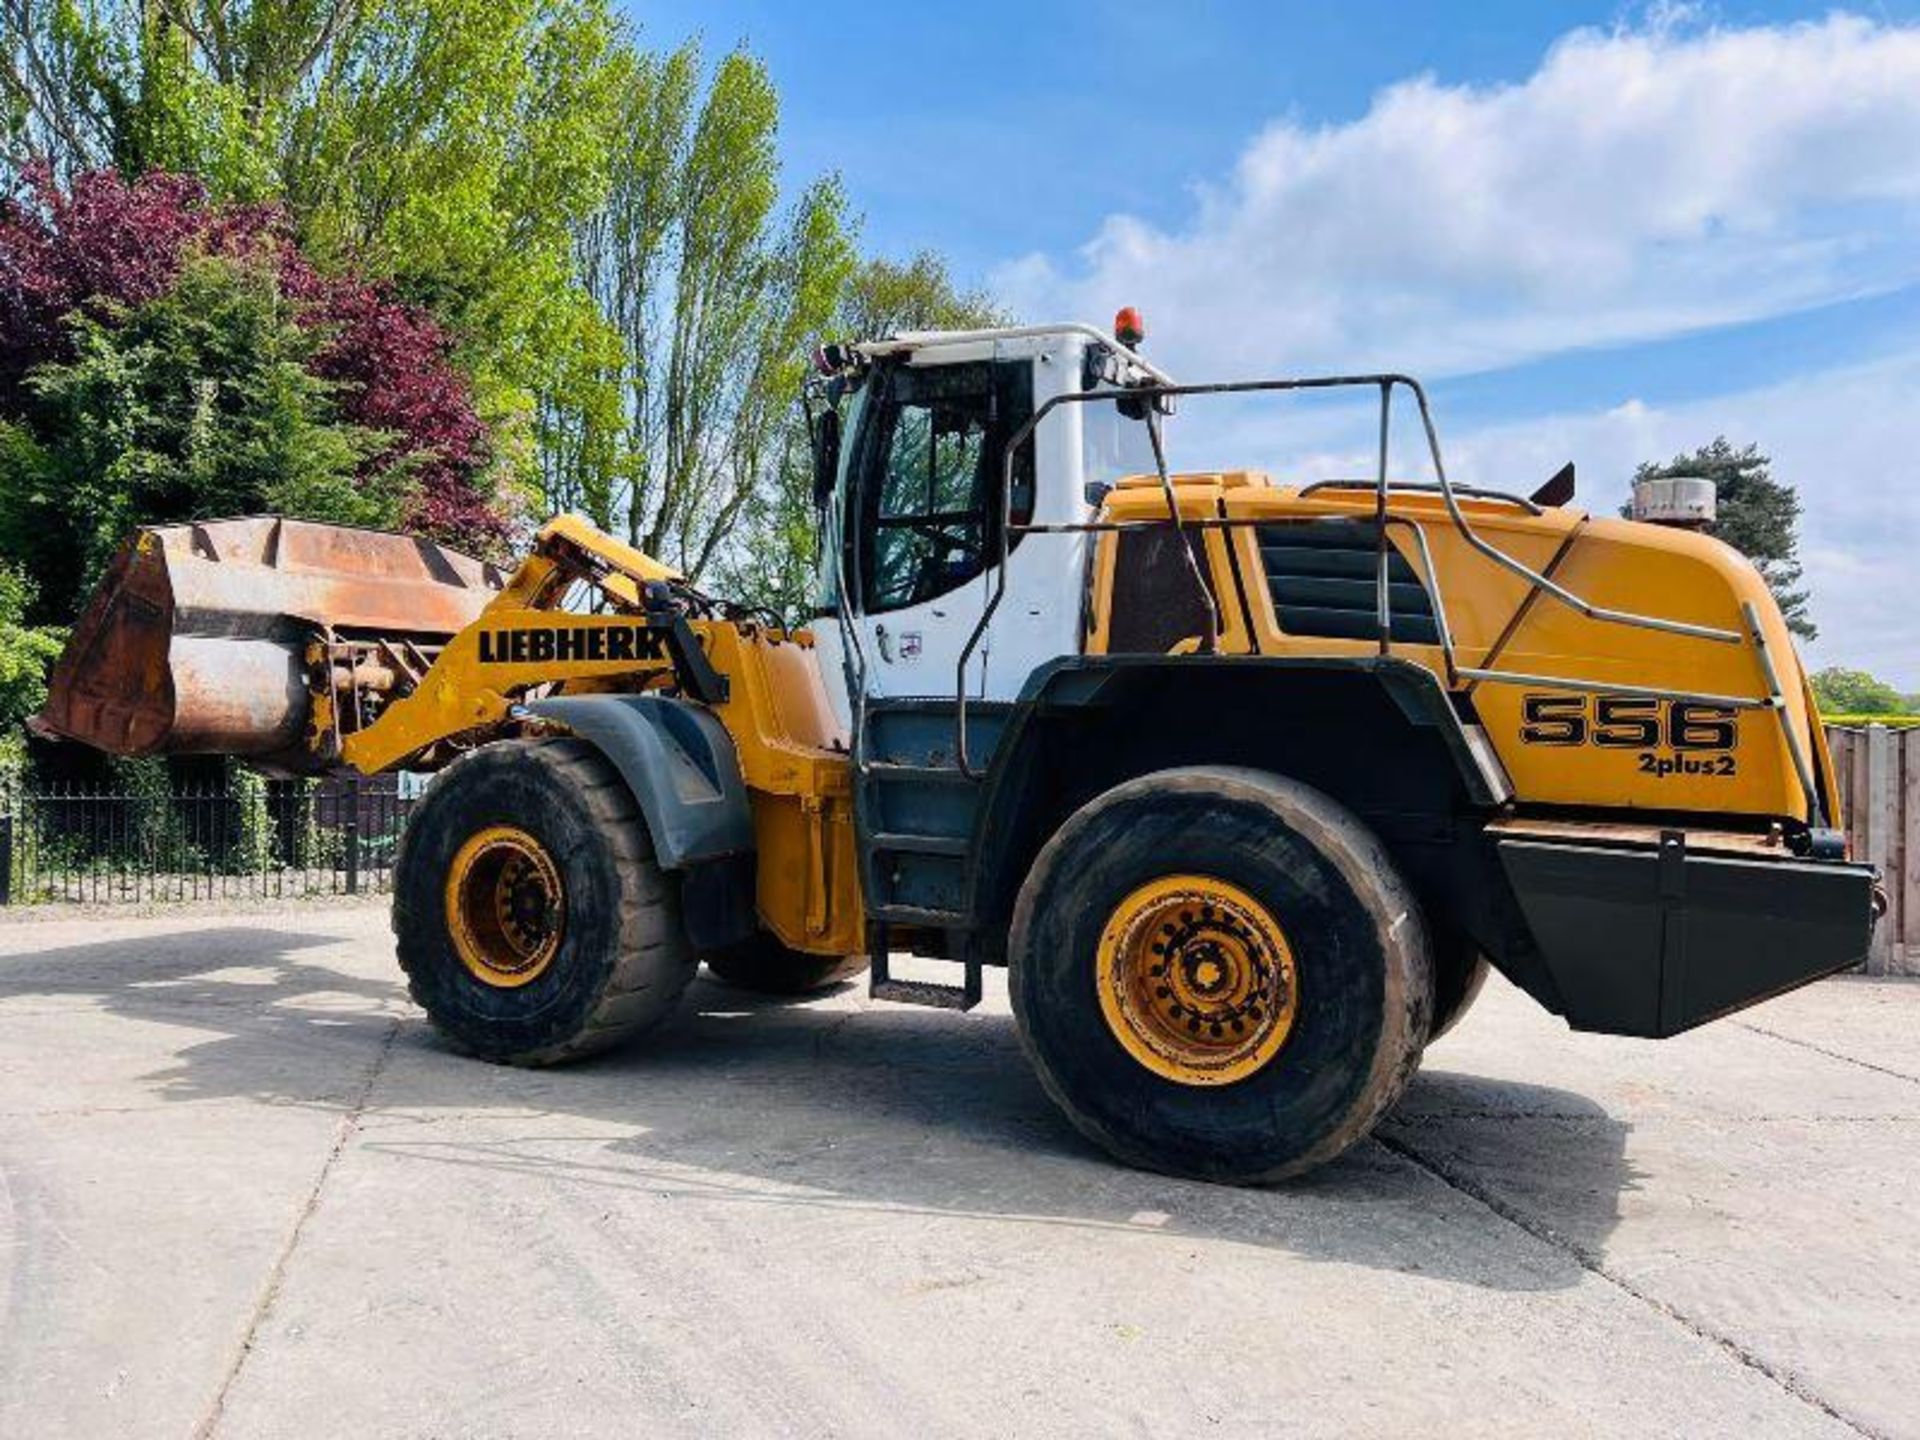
{"x":533,"y":636}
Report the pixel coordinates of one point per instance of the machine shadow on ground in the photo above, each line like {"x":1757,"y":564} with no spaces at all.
{"x":746,"y":1101}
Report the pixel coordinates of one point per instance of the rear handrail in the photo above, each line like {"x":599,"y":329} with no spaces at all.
{"x":1472,"y":492}
{"x":1385,"y":383}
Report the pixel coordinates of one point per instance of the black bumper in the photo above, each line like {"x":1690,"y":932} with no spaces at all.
{"x":1655,"y":940}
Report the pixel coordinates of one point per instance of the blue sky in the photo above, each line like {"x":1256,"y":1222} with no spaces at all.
{"x":1603,"y":233}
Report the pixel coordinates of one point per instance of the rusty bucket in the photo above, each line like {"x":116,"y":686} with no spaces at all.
{"x":201,"y":637}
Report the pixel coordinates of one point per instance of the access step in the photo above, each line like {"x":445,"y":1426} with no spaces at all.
{"x":925,"y":992}
{"x":883,"y":986}
{"x":934,"y":774}
{"x":909,"y":844}
{"x":924,"y":918}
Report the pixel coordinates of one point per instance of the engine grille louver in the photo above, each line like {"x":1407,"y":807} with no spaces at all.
{"x":1322,"y":576}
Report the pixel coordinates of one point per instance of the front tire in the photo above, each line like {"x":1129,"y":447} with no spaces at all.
{"x":1218,"y":973}
{"x":532,"y":922}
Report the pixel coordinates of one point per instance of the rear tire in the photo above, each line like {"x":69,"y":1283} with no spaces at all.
{"x":1261,"y":878}
{"x":767,"y":967}
{"x":608,"y":958}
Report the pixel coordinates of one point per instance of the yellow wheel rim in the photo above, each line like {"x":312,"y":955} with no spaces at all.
{"x":506,"y":907}
{"x":1197,"y":981}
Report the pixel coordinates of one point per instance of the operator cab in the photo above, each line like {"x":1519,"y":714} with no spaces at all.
{"x":912,"y":439}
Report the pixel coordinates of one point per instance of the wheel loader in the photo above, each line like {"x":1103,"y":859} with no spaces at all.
{"x":1245,"y":781}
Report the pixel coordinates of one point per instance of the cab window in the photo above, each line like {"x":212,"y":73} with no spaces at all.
{"x":933,"y":465}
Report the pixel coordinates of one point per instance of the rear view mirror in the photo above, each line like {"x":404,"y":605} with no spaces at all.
{"x":824,"y":432}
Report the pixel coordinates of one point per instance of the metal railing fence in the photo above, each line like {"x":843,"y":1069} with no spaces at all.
{"x":254,"y":840}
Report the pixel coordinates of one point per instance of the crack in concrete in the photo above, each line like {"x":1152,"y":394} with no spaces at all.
{"x":1592,"y":1264}
{"x":1433,"y":1119}
{"x":323,"y":1102}
{"x":348,"y":1127}
{"x":1844,"y":1058}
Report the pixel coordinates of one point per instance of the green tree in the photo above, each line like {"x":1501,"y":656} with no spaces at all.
{"x":26,"y":653}
{"x":601,"y":229}
{"x":714,"y":290}
{"x":1757,"y":515}
{"x":450,"y":146}
{"x":195,"y":404}
{"x":1841,"y":691}
{"x":884,"y":297}
{"x":774,"y":564}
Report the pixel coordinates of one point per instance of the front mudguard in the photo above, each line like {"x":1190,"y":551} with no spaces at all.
{"x":679,"y":762}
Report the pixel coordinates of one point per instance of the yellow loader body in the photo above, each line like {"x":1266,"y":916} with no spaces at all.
{"x":1578,"y":732}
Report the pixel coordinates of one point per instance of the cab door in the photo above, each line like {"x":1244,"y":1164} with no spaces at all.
{"x":922,"y":514}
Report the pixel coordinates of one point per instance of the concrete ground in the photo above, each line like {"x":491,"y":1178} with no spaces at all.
{"x":244,"y":1193}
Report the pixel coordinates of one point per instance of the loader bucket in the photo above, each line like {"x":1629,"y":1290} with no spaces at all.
{"x":201,"y":637}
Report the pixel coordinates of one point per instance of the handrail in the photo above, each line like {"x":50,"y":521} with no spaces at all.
{"x":1432,"y":579}
{"x":1778,"y":699}
{"x":1207,"y":596}
{"x":1472,"y":492}
{"x":1385,"y":383}
{"x":1382,"y":586}
{"x":1533,"y":577}
{"x":850,"y":637}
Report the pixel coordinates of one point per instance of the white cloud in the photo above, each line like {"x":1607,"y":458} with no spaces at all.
{"x":1642,"y":182}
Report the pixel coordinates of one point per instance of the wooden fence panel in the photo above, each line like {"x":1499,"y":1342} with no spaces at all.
{"x":1879,"y":779}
